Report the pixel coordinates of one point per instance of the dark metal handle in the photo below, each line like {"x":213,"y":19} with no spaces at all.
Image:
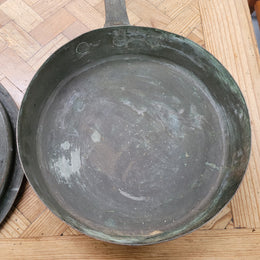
{"x":115,"y":13}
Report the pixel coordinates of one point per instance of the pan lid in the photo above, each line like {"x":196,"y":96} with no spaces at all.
{"x":6,"y":148}
{"x":11,"y":174}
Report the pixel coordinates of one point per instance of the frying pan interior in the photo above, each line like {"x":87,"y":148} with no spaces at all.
{"x":133,"y":135}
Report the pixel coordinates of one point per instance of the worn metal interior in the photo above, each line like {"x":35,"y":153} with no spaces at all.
{"x":134,"y":135}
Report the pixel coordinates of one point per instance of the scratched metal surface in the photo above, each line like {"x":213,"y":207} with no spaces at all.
{"x":128,"y":138}
{"x":134,"y":135}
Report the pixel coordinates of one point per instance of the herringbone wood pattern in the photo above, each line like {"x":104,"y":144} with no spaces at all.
{"x":30,"y":31}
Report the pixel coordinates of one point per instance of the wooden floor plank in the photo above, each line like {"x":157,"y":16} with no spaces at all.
{"x":3,"y":44}
{"x":47,"y":224}
{"x":31,"y":2}
{"x":19,"y":40}
{"x":155,"y":2}
{"x":47,"y":8}
{"x":203,"y":244}
{"x":144,"y":9}
{"x":174,"y":8}
{"x":185,"y":22}
{"x":196,"y":35}
{"x":71,"y":232}
{"x":53,"y":26}
{"x":4,"y":19}
{"x":30,"y":205}
{"x":75,"y":30}
{"x":15,"y":69}
{"x":227,"y":33}
{"x":93,"y":19}
{"x":21,"y":13}
{"x":16,"y":93}
{"x":14,"y":225}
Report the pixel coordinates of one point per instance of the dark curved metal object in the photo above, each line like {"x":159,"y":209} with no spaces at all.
{"x":11,"y":174}
{"x":133,"y":135}
{"x":6,"y":148}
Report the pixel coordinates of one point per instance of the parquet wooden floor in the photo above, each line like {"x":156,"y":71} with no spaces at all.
{"x":31,"y":30}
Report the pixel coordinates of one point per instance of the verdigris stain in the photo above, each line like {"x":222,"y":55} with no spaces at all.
{"x":67,"y":166}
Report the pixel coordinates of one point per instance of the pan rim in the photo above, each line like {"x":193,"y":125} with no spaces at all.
{"x":142,"y":240}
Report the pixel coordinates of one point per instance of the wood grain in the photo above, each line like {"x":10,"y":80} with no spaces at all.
{"x":48,"y":8}
{"x":75,"y":30}
{"x":19,"y":40}
{"x":229,"y":36}
{"x":15,"y":225}
{"x":52,"y":26}
{"x":30,"y":205}
{"x":174,"y":8}
{"x":4,"y":19}
{"x":15,"y":69}
{"x":31,"y":2}
{"x":21,"y":13}
{"x":93,"y":19}
{"x":15,"y":92}
{"x":71,"y":232}
{"x":144,"y":9}
{"x":196,"y":35}
{"x":155,"y":2}
{"x":185,"y":22}
{"x":3,"y":44}
{"x":45,"y":224}
{"x":203,"y":244}
{"x":31,"y":30}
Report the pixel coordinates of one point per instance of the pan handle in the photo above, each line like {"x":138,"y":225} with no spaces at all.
{"x":115,"y":13}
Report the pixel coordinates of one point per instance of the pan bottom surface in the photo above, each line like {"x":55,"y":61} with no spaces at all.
{"x":132,"y":145}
